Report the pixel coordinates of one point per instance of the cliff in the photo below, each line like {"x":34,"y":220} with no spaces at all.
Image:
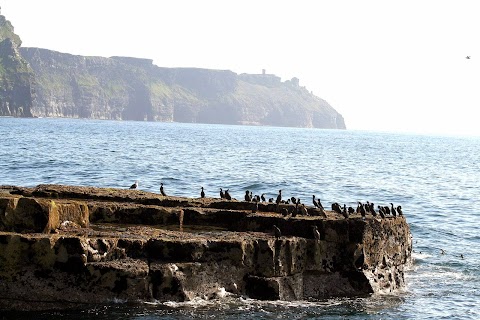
{"x":61,"y":246}
{"x":16,"y":77}
{"x":44,"y":83}
{"x":135,"y":89}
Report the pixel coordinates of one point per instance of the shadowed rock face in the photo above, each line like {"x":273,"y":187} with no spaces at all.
{"x":74,"y":245}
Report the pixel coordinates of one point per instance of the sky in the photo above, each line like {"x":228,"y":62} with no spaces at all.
{"x":392,"y":66}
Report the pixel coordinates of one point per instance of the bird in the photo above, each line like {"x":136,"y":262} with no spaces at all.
{"x":315,"y":204}
{"x":222,"y":195}
{"x":399,"y":210}
{"x":202,"y":193}
{"x":320,"y":204}
{"x":294,"y":200}
{"x":467,"y":57}
{"x":279,"y":197}
{"x":316,"y":233}
{"x":247,"y":196}
{"x":344,"y":211}
{"x":394,"y":211}
{"x":284,"y":212}
{"x":263,"y":197}
{"x":227,"y":195}
{"x":161,"y":190}
{"x":135,"y":185}
{"x":277,"y":232}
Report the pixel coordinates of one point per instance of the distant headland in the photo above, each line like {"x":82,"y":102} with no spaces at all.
{"x":38,"y":82}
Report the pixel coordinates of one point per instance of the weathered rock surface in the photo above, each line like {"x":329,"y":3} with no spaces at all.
{"x":61,"y":246}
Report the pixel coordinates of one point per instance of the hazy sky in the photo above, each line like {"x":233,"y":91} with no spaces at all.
{"x":384,"y":65}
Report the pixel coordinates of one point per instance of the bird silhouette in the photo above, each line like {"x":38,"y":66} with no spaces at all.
{"x":222,"y":195}
{"x":263,"y":197}
{"x":135,"y":185}
{"x":161,"y":190}
{"x":227,"y":195}
{"x":279,"y":197}
{"x":202,"y":193}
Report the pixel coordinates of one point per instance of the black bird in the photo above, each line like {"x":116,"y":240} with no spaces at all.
{"x":279,"y":197}
{"x":227,"y":195}
{"x":284,"y":212}
{"x":362,"y":209}
{"x":320,"y":204}
{"x":351,"y":210}
{"x":277,"y":232}
{"x":399,"y":210}
{"x":270,"y":200}
{"x":344,"y":211}
{"x":336,"y":207}
{"x":222,"y":195}
{"x":247,"y":196}
{"x":135,"y":185}
{"x":316,"y":233}
{"x":394,"y":212}
{"x":295,"y":210}
{"x":315,"y":204}
{"x":161,"y":190}
{"x":294,"y":200}
{"x":263,"y":197}
{"x":202,"y":193}
{"x":386,"y":209}
{"x":381,"y":212}
{"x":372,"y":210}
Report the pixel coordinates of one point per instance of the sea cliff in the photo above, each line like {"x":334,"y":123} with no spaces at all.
{"x":62,"y":246}
{"x":38,"y":82}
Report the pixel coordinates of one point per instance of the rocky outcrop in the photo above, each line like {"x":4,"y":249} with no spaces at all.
{"x":16,"y":77}
{"x":61,"y":246}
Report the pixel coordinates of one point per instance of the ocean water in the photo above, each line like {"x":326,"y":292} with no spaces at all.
{"x":436,"y":180}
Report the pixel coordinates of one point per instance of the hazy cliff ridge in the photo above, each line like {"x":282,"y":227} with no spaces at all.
{"x":55,"y":84}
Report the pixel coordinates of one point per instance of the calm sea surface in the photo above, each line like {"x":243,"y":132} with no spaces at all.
{"x":435,"y":179}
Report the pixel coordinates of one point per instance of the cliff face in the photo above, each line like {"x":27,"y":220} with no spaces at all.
{"x":45,"y":83}
{"x":135,"y":89}
{"x":16,"y":77}
{"x":61,"y":246}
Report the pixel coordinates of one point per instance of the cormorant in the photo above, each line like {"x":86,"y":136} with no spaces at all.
{"x":294,"y":200}
{"x":227,"y":195}
{"x":394,"y":211}
{"x":202,"y":193}
{"x":344,"y":211}
{"x":247,"y":196}
{"x":320,"y":204}
{"x":399,"y":210}
{"x":263,"y":197}
{"x":161,"y":190}
{"x":315,"y":204}
{"x":135,"y":185}
{"x":277,"y":232}
{"x":279,"y":197}
{"x":222,"y":195}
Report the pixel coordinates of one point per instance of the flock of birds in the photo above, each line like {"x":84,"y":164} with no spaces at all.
{"x":300,"y":209}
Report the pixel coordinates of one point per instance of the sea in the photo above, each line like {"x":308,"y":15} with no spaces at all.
{"x":436,"y":180}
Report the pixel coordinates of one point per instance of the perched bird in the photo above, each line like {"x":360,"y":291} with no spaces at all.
{"x":316,"y":233}
{"x":263,"y":197}
{"x":161,"y":190}
{"x":320,"y":204}
{"x":394,"y":211}
{"x":227,"y":195}
{"x":315,"y":204}
{"x":284,"y":212}
{"x":222,"y":195}
{"x":303,"y":210}
{"x":294,"y":200}
{"x":351,"y":210}
{"x":336,"y":207}
{"x":279,"y":197}
{"x":381,"y":212}
{"x":270,"y":200}
{"x":399,"y":210}
{"x":135,"y":185}
{"x":344,"y":211}
{"x":202,"y":193}
{"x":277,"y":232}
{"x":247,"y":196}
